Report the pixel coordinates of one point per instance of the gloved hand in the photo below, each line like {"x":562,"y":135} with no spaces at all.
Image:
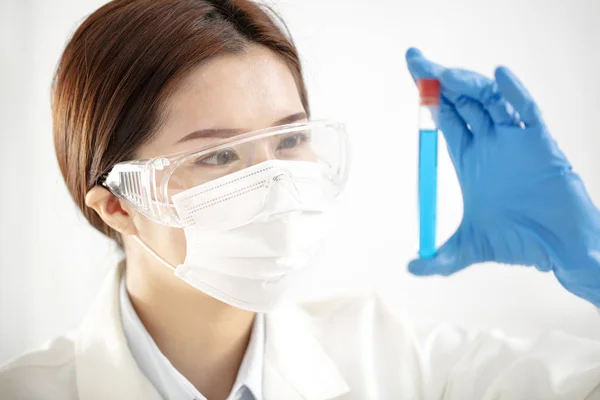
{"x":523,"y":204}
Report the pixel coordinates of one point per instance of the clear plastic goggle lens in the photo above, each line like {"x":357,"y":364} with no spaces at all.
{"x":203,"y":167}
{"x":153,"y":186}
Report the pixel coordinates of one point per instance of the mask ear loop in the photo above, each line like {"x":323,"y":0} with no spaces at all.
{"x":153,"y":253}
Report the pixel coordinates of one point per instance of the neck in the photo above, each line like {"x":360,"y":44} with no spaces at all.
{"x":203,"y":338}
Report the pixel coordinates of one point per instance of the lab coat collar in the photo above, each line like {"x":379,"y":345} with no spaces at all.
{"x":296,"y":366}
{"x":104,"y":365}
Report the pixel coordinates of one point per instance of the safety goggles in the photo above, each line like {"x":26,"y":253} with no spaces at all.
{"x":181,"y":189}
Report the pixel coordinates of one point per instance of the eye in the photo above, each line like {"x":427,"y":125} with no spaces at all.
{"x":292,"y":141}
{"x":219,"y":158}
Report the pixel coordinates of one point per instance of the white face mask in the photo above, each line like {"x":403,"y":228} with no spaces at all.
{"x":254,"y":264}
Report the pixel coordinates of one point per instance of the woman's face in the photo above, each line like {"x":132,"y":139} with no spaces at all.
{"x":231,"y":94}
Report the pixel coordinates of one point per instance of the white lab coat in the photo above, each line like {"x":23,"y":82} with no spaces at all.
{"x":350,"y":348}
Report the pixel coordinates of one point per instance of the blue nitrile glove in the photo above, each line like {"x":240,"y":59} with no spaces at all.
{"x":523,"y":204}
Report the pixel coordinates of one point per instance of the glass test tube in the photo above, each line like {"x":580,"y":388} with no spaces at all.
{"x":429,"y":94}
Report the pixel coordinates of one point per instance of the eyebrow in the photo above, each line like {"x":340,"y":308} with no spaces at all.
{"x":227,"y":133}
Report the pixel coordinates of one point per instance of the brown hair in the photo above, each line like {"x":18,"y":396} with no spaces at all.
{"x":122,"y":64}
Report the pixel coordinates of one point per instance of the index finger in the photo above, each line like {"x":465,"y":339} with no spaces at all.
{"x":420,"y":67}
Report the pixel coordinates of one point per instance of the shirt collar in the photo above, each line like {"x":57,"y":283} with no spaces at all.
{"x":250,"y":373}
{"x":165,"y":377}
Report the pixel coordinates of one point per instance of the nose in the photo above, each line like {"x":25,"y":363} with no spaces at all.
{"x":283,"y":191}
{"x":262,"y":151}
{"x":282,"y":178}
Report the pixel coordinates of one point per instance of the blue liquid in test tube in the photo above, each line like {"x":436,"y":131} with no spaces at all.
{"x":429,"y":91}
{"x":428,"y":140}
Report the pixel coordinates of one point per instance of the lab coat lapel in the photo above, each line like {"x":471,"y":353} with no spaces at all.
{"x":104,"y":365}
{"x":296,"y":365}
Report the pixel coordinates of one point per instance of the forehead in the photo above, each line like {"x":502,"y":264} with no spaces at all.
{"x":245,"y":91}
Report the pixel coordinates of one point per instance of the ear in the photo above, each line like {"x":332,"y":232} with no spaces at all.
{"x":110,"y":209}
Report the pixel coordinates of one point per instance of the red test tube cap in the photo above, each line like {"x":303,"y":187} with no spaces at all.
{"x":429,"y":91}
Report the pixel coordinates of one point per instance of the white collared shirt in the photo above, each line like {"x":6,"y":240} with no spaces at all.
{"x":169,"y":382}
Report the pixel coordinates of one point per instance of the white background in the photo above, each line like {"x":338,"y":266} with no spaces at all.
{"x":52,"y":262}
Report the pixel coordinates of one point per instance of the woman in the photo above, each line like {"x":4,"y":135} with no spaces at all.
{"x":182,"y":131}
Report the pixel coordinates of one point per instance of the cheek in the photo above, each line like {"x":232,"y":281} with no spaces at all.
{"x":168,"y":242}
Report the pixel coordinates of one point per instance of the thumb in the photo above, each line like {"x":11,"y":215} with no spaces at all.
{"x":449,"y":259}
